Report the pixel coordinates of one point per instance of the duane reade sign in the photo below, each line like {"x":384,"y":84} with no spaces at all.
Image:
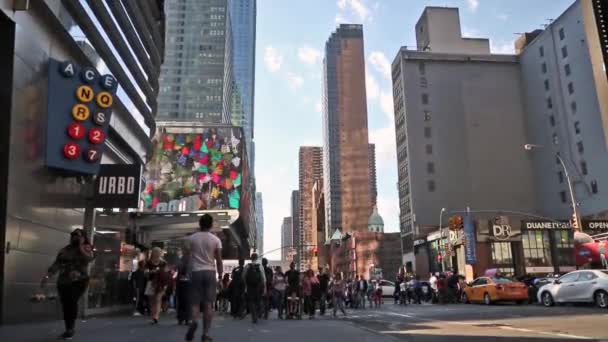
{"x":117,"y":186}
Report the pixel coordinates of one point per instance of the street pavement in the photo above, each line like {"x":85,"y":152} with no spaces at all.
{"x":390,"y":323}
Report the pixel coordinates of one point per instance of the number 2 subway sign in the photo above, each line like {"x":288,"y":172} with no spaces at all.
{"x":78,"y":115}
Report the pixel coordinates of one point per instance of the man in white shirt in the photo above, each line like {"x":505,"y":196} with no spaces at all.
{"x":205,"y":251}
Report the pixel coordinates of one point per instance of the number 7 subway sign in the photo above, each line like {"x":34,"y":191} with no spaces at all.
{"x":79,"y":107}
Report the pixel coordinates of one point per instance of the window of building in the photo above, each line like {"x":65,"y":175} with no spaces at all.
{"x":557,"y":160}
{"x":421,"y":68}
{"x":555,"y":139}
{"x":544,"y":68}
{"x":563,"y":240}
{"x":562,"y":35}
{"x":552,"y":120}
{"x":560,"y":176}
{"x":594,"y":187}
{"x":584,"y":167}
{"x":431,"y":185}
{"x":430,"y":167}
{"x":567,"y":69}
{"x":427,"y":132}
{"x":541,"y":51}
{"x":427,"y":115}
{"x":573,"y":107}
{"x":429,"y":149}
{"x":570,"y":88}
{"x":562,"y":196}
{"x":537,"y":248}
{"x":580,"y":147}
{"x":549,"y":103}
{"x":502,"y":254}
{"x":577,"y":127}
{"x":564,"y":51}
{"x":425,"y":99}
{"x":546,"y":84}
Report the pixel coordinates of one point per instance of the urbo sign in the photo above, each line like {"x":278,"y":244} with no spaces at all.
{"x":117,"y":186}
{"x":79,"y":107}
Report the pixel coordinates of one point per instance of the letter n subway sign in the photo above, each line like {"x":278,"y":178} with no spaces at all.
{"x":79,"y":107}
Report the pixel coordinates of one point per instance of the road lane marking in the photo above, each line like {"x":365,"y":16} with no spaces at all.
{"x":547,"y":333}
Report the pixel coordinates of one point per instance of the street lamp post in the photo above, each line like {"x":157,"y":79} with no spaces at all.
{"x":530,"y":147}
{"x":443,"y":210}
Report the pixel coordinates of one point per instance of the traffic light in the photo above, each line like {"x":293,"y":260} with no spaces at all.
{"x":456,"y":223}
{"x":575,"y":222}
{"x":316,"y":251}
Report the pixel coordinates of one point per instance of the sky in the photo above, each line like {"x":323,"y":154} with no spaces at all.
{"x":290,"y":43}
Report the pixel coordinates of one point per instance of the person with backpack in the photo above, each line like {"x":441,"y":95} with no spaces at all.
{"x":255,"y":287}
{"x":236,"y":290}
{"x":268,"y":298}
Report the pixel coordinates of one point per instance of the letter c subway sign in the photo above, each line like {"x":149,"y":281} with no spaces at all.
{"x":79,"y":108}
{"x":117,"y":186}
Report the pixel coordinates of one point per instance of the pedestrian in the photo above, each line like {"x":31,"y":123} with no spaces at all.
{"x":310,"y":289}
{"x":442,"y":289}
{"x":397,"y":291}
{"x":255,"y":287}
{"x":138,"y":284}
{"x":452,"y":288}
{"x":224,"y":294}
{"x":71,"y":263}
{"x":205,"y":251}
{"x":379,"y":295}
{"x":323,"y":288}
{"x":293,"y":290}
{"x":403,"y":291}
{"x":433,"y":284}
{"x":237,"y":290}
{"x":182,"y":290}
{"x":155,"y":282}
{"x":279,"y":284}
{"x":338,"y":289}
{"x":267,"y":301}
{"x":362,"y":287}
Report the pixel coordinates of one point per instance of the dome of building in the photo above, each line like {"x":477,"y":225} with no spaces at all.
{"x":375,"y":222}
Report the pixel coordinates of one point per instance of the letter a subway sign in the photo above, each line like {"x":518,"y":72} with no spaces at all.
{"x":79,"y":107}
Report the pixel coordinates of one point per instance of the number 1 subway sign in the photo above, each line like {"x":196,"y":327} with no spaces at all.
{"x":79,"y":107}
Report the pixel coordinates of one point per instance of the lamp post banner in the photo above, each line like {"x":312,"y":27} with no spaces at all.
{"x":469,"y":240}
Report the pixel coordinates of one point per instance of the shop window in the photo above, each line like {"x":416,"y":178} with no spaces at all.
{"x":502,"y":254}
{"x":564,"y":247}
{"x":537,"y":248}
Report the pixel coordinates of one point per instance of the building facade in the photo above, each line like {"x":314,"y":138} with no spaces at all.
{"x":460,"y":134}
{"x":318,"y":223}
{"x":38,"y":206}
{"x":196,"y":76}
{"x":259,"y":222}
{"x":564,"y":76}
{"x":311,"y":170}
{"x":372,"y":175}
{"x":295,"y":224}
{"x":345,"y":147}
{"x":286,"y":239}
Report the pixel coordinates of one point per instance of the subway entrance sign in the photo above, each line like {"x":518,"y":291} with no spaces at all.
{"x":79,"y":107}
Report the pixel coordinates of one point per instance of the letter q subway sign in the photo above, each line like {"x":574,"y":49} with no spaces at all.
{"x":79,"y":107}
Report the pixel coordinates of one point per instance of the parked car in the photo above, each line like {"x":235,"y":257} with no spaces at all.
{"x":489,"y":290}
{"x":584,"y":286}
{"x":388,"y":288}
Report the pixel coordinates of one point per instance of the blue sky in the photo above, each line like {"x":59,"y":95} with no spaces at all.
{"x":291,"y":36}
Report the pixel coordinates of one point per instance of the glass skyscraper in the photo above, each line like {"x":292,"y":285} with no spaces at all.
{"x":196,"y":76}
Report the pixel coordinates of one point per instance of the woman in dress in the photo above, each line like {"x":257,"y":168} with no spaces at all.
{"x":156,"y":270}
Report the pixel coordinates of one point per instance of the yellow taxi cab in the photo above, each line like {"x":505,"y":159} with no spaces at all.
{"x":488,"y":290}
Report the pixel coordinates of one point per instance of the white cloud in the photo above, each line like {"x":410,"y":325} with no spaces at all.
{"x":386,"y":150}
{"x":309,"y":55}
{"x":379,"y":61}
{"x":470,"y":32}
{"x":386,"y":104}
{"x":357,"y":7}
{"x":502,"y":48}
{"x":473,"y":5}
{"x":295,"y":81}
{"x":341,"y":19}
{"x":318,"y":107}
{"x":388,"y":207}
{"x":341,"y":4}
{"x":371,"y":86}
{"x":360,"y":8}
{"x":273,"y":59}
{"x":503,"y":16}
{"x":276,"y":188}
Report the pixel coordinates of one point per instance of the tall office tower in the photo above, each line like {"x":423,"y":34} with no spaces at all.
{"x":373,"y":182}
{"x":259,"y":222}
{"x":311,"y":170}
{"x":196,"y":76}
{"x":286,"y":238}
{"x":243,"y":24}
{"x":459,"y":132}
{"x":566,"y":86}
{"x":295,"y":223}
{"x":345,"y":145}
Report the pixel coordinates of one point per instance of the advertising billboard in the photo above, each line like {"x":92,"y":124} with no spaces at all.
{"x":198,"y":168}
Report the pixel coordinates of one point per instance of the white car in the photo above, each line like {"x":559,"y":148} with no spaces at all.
{"x":388,"y":288}
{"x":584,"y":286}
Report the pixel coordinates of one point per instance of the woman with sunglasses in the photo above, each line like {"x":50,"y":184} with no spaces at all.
{"x":72,"y":265}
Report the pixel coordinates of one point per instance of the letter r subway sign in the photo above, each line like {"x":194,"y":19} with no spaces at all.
{"x":79,"y":107}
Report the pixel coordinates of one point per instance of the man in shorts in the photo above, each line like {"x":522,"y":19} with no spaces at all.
{"x":206,"y":257}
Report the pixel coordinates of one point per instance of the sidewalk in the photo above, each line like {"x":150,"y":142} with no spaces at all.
{"x":137,"y":329}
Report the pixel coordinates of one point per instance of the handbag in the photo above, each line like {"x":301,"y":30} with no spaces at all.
{"x":150,"y":289}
